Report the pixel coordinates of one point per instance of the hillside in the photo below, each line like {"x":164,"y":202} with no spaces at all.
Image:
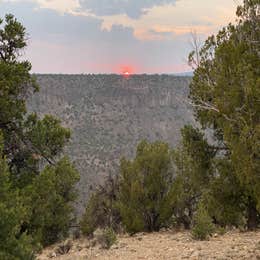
{"x":110,"y":114}
{"x":165,"y":245}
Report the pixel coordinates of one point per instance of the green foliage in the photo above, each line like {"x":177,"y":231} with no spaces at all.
{"x":13,"y":244}
{"x":47,"y":135}
{"x":16,"y":83}
{"x":35,"y":205}
{"x":93,"y":213}
{"x":225,"y":198}
{"x":107,"y":238}
{"x":12,"y":37}
{"x":145,"y":188}
{"x":226,"y":90}
{"x":50,"y":197}
{"x":101,"y":210}
{"x":194,"y":171}
{"x":203,"y":226}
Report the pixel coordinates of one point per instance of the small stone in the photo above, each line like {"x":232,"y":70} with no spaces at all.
{"x":215,"y":235}
{"x":122,"y":245}
{"x":52,"y":255}
{"x":245,"y":248}
{"x":114,"y":247}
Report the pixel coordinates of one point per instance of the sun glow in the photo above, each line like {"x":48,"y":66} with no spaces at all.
{"x":126,"y":71}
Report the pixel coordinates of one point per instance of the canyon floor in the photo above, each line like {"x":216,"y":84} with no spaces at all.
{"x":164,"y":245}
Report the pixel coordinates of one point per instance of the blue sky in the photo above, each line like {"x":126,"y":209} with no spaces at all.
{"x":109,"y":36}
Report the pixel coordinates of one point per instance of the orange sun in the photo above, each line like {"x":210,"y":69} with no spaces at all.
{"x":126,"y":71}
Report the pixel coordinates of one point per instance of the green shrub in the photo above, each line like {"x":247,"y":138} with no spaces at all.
{"x":107,"y":238}
{"x":145,"y":187}
{"x":91,"y":217}
{"x":13,"y":243}
{"x":203,"y":226}
{"x":101,"y":210}
{"x":221,"y":231}
{"x":50,"y":200}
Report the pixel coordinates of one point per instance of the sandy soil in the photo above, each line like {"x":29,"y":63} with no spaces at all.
{"x":165,"y":245}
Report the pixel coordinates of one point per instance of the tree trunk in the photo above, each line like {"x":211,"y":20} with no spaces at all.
{"x":251,"y":214}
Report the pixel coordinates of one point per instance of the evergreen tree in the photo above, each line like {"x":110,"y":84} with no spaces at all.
{"x":32,"y":147}
{"x":102,"y":210}
{"x":49,"y":199}
{"x":193,"y":173}
{"x":145,"y":188}
{"x":225,"y":91}
{"x":225,"y":198}
{"x":13,"y":244}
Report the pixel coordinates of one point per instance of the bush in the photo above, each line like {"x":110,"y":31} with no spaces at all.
{"x":51,"y":196}
{"x":14,"y":244}
{"x":101,"y":210}
{"x":107,"y":238}
{"x":92,"y":216}
{"x":145,"y":187}
{"x":203,"y":226}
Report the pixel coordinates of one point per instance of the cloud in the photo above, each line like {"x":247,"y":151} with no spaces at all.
{"x":61,"y":6}
{"x":64,"y":38}
{"x":132,"y":8}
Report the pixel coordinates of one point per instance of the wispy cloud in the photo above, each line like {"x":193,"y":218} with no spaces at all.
{"x":132,"y":8}
{"x":76,"y":36}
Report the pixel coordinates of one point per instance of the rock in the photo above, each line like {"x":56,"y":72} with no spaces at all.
{"x":52,"y":255}
{"x":215,"y":235}
{"x":114,"y":247}
{"x":139,"y":238}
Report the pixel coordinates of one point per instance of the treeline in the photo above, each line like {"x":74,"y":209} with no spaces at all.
{"x":200,"y":185}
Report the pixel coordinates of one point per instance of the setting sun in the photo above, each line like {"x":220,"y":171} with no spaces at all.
{"x":126,"y":71}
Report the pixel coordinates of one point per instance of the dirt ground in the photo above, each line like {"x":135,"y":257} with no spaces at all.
{"x":165,"y":245}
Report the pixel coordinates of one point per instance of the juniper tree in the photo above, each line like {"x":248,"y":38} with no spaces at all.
{"x":145,"y":186}
{"x":225,"y":92}
{"x":30,"y":142}
{"x":194,"y":171}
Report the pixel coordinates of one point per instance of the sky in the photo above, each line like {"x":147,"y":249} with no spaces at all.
{"x":114,"y":36}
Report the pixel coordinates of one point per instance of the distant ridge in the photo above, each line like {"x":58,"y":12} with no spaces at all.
{"x":110,"y":114}
{"x":184,"y":74}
